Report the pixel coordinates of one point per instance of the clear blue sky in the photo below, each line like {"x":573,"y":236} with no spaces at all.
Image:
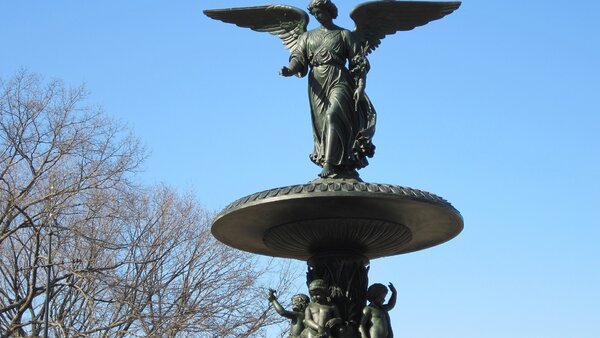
{"x":495,"y":107}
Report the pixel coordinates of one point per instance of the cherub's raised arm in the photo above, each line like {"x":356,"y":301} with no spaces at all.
{"x":278,"y":308}
{"x":392,"y":302}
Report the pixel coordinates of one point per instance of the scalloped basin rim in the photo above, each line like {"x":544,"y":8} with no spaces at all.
{"x":418,"y":219}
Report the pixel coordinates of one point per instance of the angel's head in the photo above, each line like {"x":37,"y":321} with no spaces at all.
{"x":326,"y":5}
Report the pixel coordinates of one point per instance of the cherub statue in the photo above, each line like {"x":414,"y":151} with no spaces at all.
{"x":321,"y":315}
{"x":299,"y":303}
{"x":334,"y":59}
{"x":375,"y":322}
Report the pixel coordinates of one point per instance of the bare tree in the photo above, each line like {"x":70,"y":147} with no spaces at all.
{"x":162,"y":275}
{"x":126,"y":260}
{"x":55,"y":154}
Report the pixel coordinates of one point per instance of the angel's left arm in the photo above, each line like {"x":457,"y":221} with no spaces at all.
{"x":358,"y":63}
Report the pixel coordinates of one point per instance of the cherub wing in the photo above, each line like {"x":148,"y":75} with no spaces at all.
{"x":287,"y":22}
{"x":376,"y":19}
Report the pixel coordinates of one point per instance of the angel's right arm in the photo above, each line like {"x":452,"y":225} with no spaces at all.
{"x":299,"y":60}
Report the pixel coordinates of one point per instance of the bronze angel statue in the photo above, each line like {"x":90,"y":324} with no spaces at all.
{"x":335,"y":61}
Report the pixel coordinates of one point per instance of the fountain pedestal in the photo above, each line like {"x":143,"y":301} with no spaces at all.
{"x":337,"y":226}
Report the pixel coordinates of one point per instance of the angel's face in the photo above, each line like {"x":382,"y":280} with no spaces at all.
{"x":321,"y":15}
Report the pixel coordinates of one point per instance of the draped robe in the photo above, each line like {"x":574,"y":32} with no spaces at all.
{"x":342,"y":133}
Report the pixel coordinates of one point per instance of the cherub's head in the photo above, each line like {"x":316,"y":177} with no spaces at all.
{"x":376,"y":293}
{"x":318,"y":291}
{"x":326,"y":5}
{"x":300,"y":302}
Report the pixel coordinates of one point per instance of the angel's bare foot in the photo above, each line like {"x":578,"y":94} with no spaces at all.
{"x":327,"y":171}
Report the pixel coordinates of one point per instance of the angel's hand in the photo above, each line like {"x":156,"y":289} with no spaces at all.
{"x":359,"y":94}
{"x":285,"y":71}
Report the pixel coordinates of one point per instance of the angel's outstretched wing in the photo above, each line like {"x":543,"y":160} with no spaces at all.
{"x":287,"y":22}
{"x":377,"y":19}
